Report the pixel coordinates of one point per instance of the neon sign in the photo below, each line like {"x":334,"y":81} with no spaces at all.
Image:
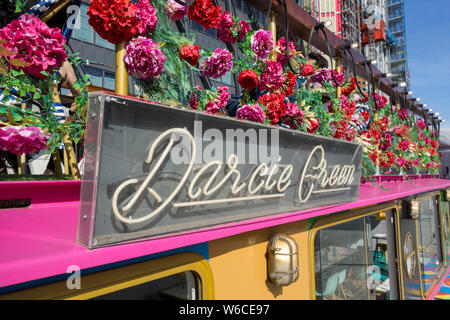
{"x":148,"y":177}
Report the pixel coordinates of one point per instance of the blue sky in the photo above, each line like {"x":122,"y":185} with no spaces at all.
{"x":428,"y":45}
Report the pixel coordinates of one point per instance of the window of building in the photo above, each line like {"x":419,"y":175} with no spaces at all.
{"x":197,"y":26}
{"x":101,"y":78}
{"x":86,"y":33}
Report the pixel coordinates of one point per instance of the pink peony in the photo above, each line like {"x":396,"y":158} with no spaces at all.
{"x":20,"y":140}
{"x":143,"y":58}
{"x":272,"y":78}
{"x":262,"y":43}
{"x":174,"y":10}
{"x":32,"y":41}
{"x":386,"y":141}
{"x":218,"y":64}
{"x":147,"y":16}
{"x":251,"y":112}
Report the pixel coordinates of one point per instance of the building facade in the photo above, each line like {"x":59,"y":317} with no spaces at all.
{"x":399,"y":59}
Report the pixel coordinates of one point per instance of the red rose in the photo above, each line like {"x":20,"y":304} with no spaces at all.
{"x":313,"y":125}
{"x":189,"y":53}
{"x":248,"y":79}
{"x":307,"y":70}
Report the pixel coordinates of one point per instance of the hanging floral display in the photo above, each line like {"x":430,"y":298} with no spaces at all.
{"x":115,"y":20}
{"x":35,"y":48}
{"x":22,"y":140}
{"x":217,"y":64}
{"x":144,"y":58}
{"x":205,"y":13}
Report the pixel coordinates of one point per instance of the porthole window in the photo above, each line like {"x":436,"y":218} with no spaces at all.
{"x":409,"y":255}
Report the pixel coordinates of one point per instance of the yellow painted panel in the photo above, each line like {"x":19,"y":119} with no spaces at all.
{"x":239,"y":265}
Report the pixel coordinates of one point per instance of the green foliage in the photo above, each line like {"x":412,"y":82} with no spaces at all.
{"x":174,"y":83}
{"x":38,"y":93}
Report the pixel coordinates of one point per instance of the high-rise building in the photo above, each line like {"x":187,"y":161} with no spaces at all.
{"x":399,"y":61}
{"x":373,"y":33}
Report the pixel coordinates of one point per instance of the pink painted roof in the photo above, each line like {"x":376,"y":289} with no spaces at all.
{"x":40,"y":241}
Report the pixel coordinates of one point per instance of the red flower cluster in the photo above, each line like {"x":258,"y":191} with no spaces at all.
{"x":189,"y":53}
{"x":340,"y":127}
{"x":307,"y":70}
{"x":203,"y":12}
{"x":114,"y":20}
{"x":381,"y":125}
{"x":275,"y":106}
{"x":248,"y":79}
{"x":387,"y":159}
{"x":313,"y":125}
{"x":289,"y":85}
{"x":348,"y":89}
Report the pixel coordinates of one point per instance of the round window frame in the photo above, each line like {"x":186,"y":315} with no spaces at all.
{"x":409,"y":238}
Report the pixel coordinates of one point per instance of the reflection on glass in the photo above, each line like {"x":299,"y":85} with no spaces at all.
{"x":181,"y":286}
{"x":351,"y":260}
{"x":430,"y":257}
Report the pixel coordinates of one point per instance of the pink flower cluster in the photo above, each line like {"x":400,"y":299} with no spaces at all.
{"x":251,"y":112}
{"x":143,"y":58}
{"x":338,"y":77}
{"x":223,"y":95}
{"x":174,"y":10}
{"x":281,"y":48}
{"x":229,"y":30}
{"x":262,"y":43}
{"x":147,"y":16}
{"x":272,"y":78}
{"x":33,"y":42}
{"x":293,"y":111}
{"x":20,"y":140}
{"x":321,"y":76}
{"x":218,"y":64}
